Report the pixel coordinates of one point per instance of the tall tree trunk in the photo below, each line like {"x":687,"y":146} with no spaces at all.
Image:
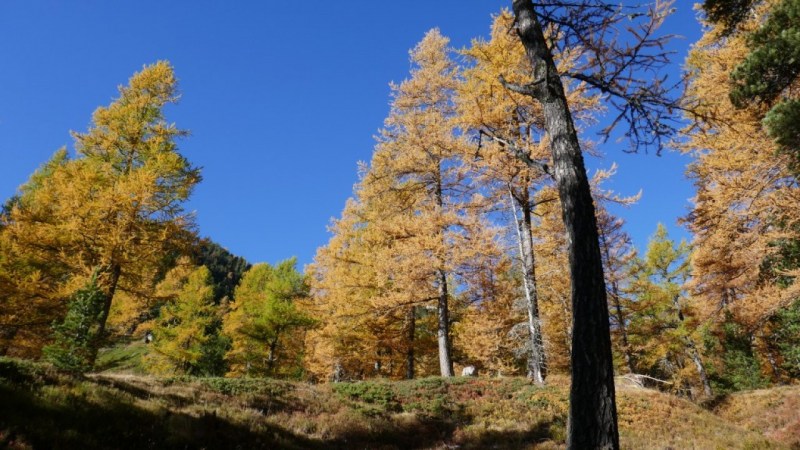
{"x":411,"y":334}
{"x":443,"y":329}
{"x":593,"y":411}
{"x":114,"y":272}
{"x":537,"y":364}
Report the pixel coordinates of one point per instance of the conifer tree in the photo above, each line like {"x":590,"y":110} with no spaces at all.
{"x":622,"y":70}
{"x":618,"y":255}
{"x":745,"y":215}
{"x":495,"y":116}
{"x":367,"y":308}
{"x":664,"y":327}
{"x":432,"y":233}
{"x":75,"y":336}
{"x":31,"y":298}
{"x":118,"y":205}
{"x":265,"y":320}
{"x":411,"y":237}
{"x":182,"y":331}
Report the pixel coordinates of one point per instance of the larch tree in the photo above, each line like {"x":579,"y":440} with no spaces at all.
{"x":664,"y":325}
{"x":494,"y":115}
{"x":436,"y":233}
{"x":745,"y":215}
{"x":116,"y":209}
{"x":552,"y":248}
{"x":266,"y":321}
{"x":618,"y":254}
{"x":769,"y":76}
{"x":368,"y":323}
{"x":626,"y":72}
{"x":407,"y":243}
{"x":182,"y":330}
{"x":489,"y":331}
{"x":31,"y":298}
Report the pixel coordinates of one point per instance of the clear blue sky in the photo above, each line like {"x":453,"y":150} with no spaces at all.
{"x":282,"y":99}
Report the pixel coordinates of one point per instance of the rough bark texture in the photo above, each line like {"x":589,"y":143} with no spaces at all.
{"x":443,"y":331}
{"x":411,"y":323}
{"x":443,"y":328}
{"x":537,"y":364}
{"x":593,"y":411}
{"x":113,"y":280}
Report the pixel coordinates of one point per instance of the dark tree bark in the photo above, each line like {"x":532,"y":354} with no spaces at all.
{"x":592,"y":412}
{"x":113,"y":274}
{"x":411,"y":334}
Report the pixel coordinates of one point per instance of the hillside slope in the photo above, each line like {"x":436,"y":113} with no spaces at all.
{"x":774,"y":412}
{"x":41,"y":408}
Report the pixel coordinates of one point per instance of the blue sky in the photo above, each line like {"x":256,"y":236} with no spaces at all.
{"x":281,"y":101}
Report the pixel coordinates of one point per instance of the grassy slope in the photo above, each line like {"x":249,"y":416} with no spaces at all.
{"x":40,"y":408}
{"x":775,"y":412}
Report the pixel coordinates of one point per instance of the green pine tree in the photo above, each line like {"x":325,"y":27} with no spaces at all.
{"x":72,"y":349}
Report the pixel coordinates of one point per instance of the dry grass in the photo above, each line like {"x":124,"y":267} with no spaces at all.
{"x":655,"y":420}
{"x":774,"y":412}
{"x":44,"y":409}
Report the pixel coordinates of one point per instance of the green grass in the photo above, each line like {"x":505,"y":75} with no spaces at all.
{"x":125,"y":357}
{"x":41,"y":408}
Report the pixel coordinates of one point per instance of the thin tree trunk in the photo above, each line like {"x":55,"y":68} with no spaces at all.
{"x":623,"y":331}
{"x":537,"y":365}
{"x":619,"y":314}
{"x":271,"y":358}
{"x":698,"y":363}
{"x":694,"y":354}
{"x":411,"y":332}
{"x":100,"y":338}
{"x":593,"y":411}
{"x":443,"y":329}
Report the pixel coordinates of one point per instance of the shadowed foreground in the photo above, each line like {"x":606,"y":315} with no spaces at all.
{"x":41,"y":408}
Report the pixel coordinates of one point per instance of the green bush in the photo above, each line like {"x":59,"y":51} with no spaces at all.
{"x":75,"y":345}
{"x":373,"y":393}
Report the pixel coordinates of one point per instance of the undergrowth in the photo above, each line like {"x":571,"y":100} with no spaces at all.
{"x":42,"y":408}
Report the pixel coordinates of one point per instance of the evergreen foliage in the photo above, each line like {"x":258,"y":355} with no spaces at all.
{"x":75,"y":338}
{"x":739,"y":369}
{"x":768,"y":73}
{"x":786,"y":338}
{"x":226,"y":268}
